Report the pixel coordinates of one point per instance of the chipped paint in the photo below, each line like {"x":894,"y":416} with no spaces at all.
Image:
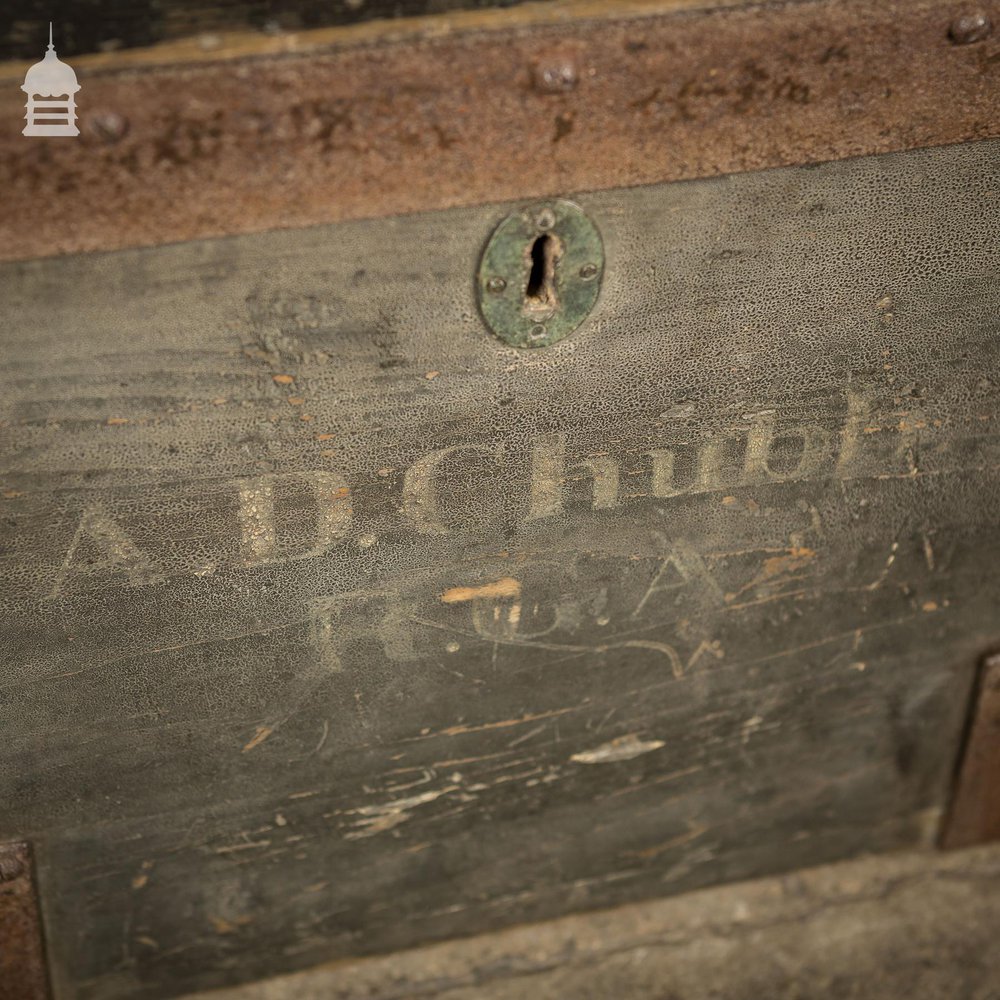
{"x":622,"y":748}
{"x":386,"y":815}
{"x":262,"y":734}
{"x":505,"y":587}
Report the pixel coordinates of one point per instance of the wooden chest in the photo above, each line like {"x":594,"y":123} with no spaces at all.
{"x":334,"y":623}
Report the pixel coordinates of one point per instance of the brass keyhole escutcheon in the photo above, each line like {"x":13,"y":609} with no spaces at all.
{"x":540,"y":274}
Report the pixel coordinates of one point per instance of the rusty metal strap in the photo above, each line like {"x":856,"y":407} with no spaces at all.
{"x":974,"y":817}
{"x":243,"y":145}
{"x":22,"y":961}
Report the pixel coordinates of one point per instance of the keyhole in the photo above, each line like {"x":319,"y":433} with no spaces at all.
{"x":540,"y":293}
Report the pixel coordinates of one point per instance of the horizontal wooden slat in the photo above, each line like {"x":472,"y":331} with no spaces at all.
{"x":333,"y":625}
{"x":462,"y":113}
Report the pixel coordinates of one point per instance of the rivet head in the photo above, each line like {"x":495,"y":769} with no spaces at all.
{"x":588,"y":272}
{"x":108,"y":126}
{"x":496,"y":285}
{"x":970,"y":28}
{"x":538,"y":332}
{"x":555,"y":74}
{"x":545,"y":219}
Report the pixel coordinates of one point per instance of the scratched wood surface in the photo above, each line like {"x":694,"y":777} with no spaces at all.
{"x":333,"y":626}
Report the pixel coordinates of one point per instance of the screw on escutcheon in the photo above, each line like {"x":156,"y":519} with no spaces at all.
{"x":969,"y":28}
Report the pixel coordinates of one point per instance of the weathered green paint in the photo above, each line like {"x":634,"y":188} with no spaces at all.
{"x":695,"y":594}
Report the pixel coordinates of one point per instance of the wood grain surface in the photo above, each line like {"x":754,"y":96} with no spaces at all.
{"x":877,"y":928}
{"x":254,"y":133}
{"x":332,"y":625}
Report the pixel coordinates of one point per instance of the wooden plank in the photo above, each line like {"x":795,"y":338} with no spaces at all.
{"x":879,"y":928}
{"x":244,"y":725}
{"x":139,"y":32}
{"x":342,"y":125}
{"x":124,"y":24}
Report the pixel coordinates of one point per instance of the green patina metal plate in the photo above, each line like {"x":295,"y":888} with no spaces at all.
{"x":540,"y":274}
